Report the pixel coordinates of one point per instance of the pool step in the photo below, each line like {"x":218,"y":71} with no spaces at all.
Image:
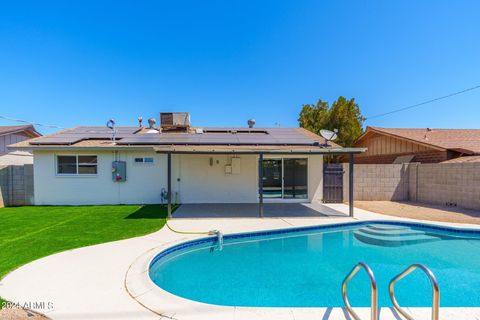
{"x":396,"y":233}
{"x":383,"y":227}
{"x":392,"y":237}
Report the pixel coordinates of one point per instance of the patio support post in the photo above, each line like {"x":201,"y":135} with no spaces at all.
{"x":169,"y":184}
{"x":350,"y":185}
{"x":260,"y":185}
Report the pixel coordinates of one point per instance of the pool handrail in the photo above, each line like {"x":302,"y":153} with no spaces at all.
{"x":373,"y":291}
{"x":435,"y":290}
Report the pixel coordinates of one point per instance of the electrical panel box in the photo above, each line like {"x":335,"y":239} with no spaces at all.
{"x":119,"y":171}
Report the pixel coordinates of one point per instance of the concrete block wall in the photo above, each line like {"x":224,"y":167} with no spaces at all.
{"x":456,"y":184}
{"x":377,"y":182}
{"x":453,"y":184}
{"x":413,"y":181}
{"x":16,"y":185}
{"x":4,"y":185}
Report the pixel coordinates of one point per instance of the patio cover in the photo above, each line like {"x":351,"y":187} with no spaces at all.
{"x":260,"y":150}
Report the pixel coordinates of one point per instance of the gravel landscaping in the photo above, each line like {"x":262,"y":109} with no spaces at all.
{"x":421,"y":211}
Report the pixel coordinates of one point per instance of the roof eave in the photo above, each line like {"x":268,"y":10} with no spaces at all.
{"x":320,"y":151}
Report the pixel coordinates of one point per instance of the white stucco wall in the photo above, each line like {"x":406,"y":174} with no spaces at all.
{"x":194,"y":180}
{"x":315,"y":178}
{"x":201,"y":182}
{"x":143,"y":185}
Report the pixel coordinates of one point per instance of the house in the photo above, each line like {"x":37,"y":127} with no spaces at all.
{"x":14,"y":134}
{"x":424,"y":145}
{"x":176,"y":162}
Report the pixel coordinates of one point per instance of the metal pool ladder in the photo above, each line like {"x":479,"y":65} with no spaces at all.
{"x":373,"y":291}
{"x":435,"y":290}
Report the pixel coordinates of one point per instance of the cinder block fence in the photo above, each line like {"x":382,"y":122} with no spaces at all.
{"x":16,"y":185}
{"x":453,"y":184}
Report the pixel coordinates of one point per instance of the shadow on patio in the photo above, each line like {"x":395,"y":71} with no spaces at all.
{"x":250,"y":210}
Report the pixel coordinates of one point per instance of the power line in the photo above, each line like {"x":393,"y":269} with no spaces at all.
{"x":421,"y":103}
{"x":33,"y":123}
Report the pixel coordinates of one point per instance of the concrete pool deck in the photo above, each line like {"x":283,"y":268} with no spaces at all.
{"x":109,"y":281}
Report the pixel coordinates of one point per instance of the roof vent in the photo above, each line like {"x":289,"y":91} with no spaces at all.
{"x":151,"y":123}
{"x":140,"y":119}
{"x":251,"y":123}
{"x":175,"y":121}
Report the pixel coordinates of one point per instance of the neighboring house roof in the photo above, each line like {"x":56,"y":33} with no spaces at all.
{"x":16,"y":158}
{"x":246,"y":140}
{"x":461,"y":140}
{"x":28,"y":129}
{"x":464,"y":159}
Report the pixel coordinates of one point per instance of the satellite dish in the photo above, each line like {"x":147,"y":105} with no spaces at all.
{"x":329,"y":135}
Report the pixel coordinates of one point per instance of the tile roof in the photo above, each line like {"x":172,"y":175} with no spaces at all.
{"x":461,"y":140}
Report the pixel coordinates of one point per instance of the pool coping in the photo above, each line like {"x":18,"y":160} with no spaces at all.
{"x":142,"y":289}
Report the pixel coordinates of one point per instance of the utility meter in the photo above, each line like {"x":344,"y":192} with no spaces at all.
{"x":119,"y":171}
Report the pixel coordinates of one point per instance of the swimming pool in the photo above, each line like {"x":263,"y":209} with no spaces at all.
{"x":305,"y":267}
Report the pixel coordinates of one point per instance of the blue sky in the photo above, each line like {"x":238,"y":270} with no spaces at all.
{"x":83,"y":62}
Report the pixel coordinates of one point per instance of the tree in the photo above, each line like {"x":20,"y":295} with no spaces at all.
{"x":343,"y":115}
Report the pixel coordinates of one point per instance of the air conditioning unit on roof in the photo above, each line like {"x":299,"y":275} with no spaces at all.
{"x":174,"y":120}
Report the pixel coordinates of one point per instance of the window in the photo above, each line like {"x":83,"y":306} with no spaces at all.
{"x":144,"y":160}
{"x":67,"y":164}
{"x":87,"y":164}
{"x":81,"y":165}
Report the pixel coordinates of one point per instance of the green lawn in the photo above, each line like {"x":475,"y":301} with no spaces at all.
{"x":30,"y":233}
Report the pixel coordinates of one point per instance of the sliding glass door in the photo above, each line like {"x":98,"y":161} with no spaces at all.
{"x":272,"y":178}
{"x":295,"y":179}
{"x":285,"y":178}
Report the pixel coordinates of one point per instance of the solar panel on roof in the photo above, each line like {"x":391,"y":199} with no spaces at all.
{"x":56,"y":140}
{"x":212,"y":136}
{"x":75,"y":135}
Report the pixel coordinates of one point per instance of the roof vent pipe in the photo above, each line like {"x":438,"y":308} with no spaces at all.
{"x":251,"y":123}
{"x":140,"y":119}
{"x":151,"y":123}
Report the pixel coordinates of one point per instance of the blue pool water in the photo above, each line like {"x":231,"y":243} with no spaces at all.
{"x":306,"y":267}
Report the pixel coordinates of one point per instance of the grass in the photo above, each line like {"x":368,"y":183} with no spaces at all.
{"x":30,"y":233}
